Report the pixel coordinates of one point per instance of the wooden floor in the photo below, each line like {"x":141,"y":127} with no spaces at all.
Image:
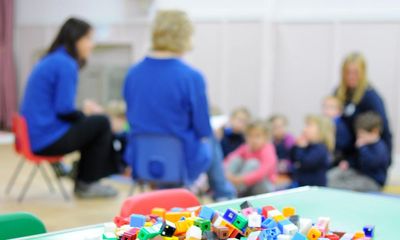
{"x":58,"y":214}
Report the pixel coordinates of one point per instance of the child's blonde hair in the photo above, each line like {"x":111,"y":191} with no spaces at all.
{"x":342,"y":92}
{"x":326,"y":129}
{"x":116,"y":108}
{"x":241,"y":110}
{"x":336,"y":100}
{"x":275,"y":117}
{"x":172,"y":31}
{"x":258,"y":125}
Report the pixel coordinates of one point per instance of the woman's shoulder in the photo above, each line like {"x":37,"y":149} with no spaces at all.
{"x":59,"y":59}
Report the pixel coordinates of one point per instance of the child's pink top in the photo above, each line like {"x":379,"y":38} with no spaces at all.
{"x":268,"y":162}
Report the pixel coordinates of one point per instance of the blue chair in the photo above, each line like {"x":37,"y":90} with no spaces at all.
{"x":158,"y":159}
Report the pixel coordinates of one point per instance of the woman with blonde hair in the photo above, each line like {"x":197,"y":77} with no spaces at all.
{"x":358,"y":96}
{"x":165,"y":95}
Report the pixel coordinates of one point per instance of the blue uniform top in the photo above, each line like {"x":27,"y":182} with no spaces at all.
{"x":371,"y":101}
{"x":50,"y":92}
{"x":167,"y":96}
{"x":344,"y":138}
{"x":311,"y":164}
{"x":373,"y":161}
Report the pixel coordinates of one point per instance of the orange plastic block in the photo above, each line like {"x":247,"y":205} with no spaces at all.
{"x":181,"y":227}
{"x":176,"y":216}
{"x":313,"y":234}
{"x":288,"y":211}
{"x":359,"y":235}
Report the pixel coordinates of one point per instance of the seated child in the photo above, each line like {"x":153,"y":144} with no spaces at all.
{"x":333,"y":109}
{"x":252,"y":167}
{"x":116,"y":111}
{"x":368,"y":170}
{"x":311,"y":155}
{"x":283,"y":142}
{"x":233,"y":134}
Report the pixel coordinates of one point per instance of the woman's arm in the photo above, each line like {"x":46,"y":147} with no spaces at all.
{"x":199,"y":107}
{"x":65,"y":92}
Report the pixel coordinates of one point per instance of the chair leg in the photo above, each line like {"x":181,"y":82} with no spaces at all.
{"x":131,"y":189}
{"x":27,"y":184}
{"x":15,"y":175}
{"x":46,"y":178}
{"x":62,"y":188}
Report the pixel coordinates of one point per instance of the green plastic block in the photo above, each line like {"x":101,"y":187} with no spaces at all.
{"x":203,"y":224}
{"x":148,"y":233}
{"x":240,"y":222}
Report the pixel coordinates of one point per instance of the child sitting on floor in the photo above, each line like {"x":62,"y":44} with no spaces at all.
{"x":116,"y":111}
{"x":233,"y":134}
{"x":332,"y":108}
{"x":283,"y":142}
{"x":368,"y":170}
{"x":252,"y":167}
{"x":311,"y":156}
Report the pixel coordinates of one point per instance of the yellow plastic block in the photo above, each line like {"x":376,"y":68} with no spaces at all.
{"x":181,"y":226}
{"x":288,"y":211}
{"x":158,"y":212}
{"x":148,"y":224}
{"x":278,"y":218}
{"x":190,"y":221}
{"x":313,"y":234}
{"x":176,"y":216}
{"x":171,"y":238}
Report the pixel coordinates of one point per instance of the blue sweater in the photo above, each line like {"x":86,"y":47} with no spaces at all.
{"x":231,"y":141}
{"x":311,"y":164}
{"x":371,"y":101}
{"x":373,"y":161}
{"x":167,"y":96}
{"x":50,"y":92}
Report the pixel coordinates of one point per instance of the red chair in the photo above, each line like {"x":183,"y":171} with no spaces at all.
{"x":23,"y":147}
{"x":168,"y":198}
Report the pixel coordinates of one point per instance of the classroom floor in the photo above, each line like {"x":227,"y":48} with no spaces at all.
{"x":58,"y":214}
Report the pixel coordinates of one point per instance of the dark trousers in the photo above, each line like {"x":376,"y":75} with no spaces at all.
{"x":91,"y":136}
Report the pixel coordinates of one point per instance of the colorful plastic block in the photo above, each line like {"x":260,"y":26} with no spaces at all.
{"x":137,"y":220}
{"x":206,"y":213}
{"x":288,"y":211}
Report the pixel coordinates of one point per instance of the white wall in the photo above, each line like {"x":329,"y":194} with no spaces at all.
{"x":269,"y":55}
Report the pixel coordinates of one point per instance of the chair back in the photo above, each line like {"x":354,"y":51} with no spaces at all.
{"x":22,"y":144}
{"x":167,"y":198}
{"x":20,"y":224}
{"x":159,"y":159}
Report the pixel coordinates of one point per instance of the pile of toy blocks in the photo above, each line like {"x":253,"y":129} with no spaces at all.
{"x":266,"y":223}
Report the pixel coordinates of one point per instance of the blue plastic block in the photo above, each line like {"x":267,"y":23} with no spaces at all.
{"x":283,"y":223}
{"x":137,"y":220}
{"x":206,"y":213}
{"x":269,"y":234}
{"x":369,"y":231}
{"x":299,"y":236}
{"x":230,"y":215}
{"x":176,"y":209}
{"x":268,"y":223}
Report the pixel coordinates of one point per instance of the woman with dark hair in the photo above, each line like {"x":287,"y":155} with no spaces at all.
{"x":55,"y":126}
